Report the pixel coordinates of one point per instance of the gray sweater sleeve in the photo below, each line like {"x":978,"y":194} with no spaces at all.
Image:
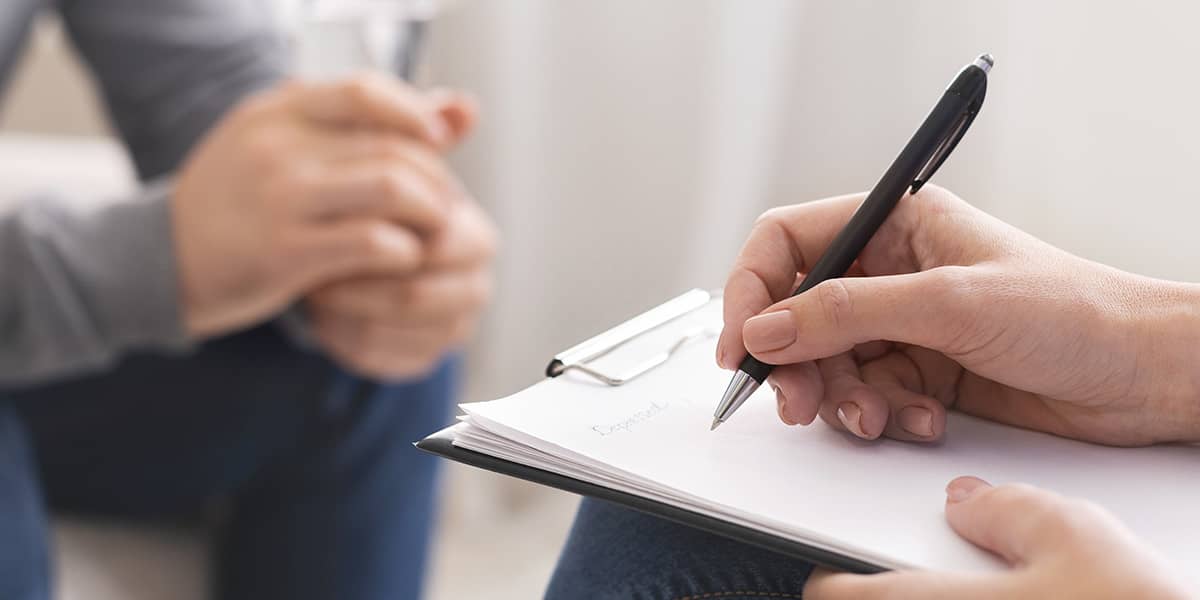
{"x":81,"y":284}
{"x":169,"y":69}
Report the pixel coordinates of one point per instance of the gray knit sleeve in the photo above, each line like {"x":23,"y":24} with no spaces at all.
{"x":82,"y":283}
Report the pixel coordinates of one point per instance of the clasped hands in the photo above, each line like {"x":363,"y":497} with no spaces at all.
{"x":336,"y":197}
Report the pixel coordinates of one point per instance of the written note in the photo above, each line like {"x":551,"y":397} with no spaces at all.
{"x":654,"y":409}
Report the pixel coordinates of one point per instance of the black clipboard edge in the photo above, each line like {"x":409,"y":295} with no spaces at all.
{"x":442,"y":445}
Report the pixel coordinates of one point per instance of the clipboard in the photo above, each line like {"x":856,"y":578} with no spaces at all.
{"x":582,"y":359}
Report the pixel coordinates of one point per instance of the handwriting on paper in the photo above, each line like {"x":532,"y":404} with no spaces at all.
{"x":655,"y":408}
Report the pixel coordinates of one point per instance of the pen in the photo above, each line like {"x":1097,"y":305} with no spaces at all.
{"x":934,"y":140}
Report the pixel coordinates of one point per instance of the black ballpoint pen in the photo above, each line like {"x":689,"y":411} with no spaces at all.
{"x":934,"y":140}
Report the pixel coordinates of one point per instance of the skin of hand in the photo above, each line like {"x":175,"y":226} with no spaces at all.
{"x":399,"y":326}
{"x":396,"y":327}
{"x":948,"y":307}
{"x":300,"y":186}
{"x":339,"y":193}
{"x":1057,"y":548}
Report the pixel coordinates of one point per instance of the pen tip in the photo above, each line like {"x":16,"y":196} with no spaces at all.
{"x":715,"y":423}
{"x":985,"y":62}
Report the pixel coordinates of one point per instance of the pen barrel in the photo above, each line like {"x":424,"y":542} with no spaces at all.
{"x":938,"y":126}
{"x":756,"y":369}
{"x":874,"y":210}
{"x":871,"y":214}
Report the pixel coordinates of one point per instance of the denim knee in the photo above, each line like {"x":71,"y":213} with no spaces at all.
{"x":24,"y":546}
{"x":615,"y":552}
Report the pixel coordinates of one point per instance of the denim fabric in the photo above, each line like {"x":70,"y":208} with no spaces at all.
{"x":326,"y":497}
{"x":614,"y":552}
{"x":24,"y":563}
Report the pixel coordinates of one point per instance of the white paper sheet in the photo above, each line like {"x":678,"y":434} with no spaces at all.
{"x":879,"y":501}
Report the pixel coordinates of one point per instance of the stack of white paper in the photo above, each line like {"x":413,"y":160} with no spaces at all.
{"x":881,"y":502}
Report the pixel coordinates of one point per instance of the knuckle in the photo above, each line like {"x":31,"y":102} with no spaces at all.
{"x":833,"y":298}
{"x":370,"y":241}
{"x":379,"y":242}
{"x":359,"y":89}
{"x":394,"y":151}
{"x":394,"y":184}
{"x":935,"y":198}
{"x":1014,"y":497}
{"x":1080,"y":517}
{"x":1044,"y":510}
{"x":772,"y":217}
{"x":1017,"y":495}
{"x":264,"y":149}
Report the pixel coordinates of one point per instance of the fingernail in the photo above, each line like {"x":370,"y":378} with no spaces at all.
{"x":721,"y":358}
{"x":781,"y":401}
{"x":850,"y":415}
{"x":963,"y":488}
{"x":916,"y":420}
{"x":771,"y":331}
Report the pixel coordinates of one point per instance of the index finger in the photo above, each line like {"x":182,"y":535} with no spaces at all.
{"x":784,"y":242}
{"x":376,"y":190}
{"x":374,"y":100}
{"x":468,"y":239}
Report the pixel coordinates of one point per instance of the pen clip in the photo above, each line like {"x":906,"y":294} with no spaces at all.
{"x":947,"y":144}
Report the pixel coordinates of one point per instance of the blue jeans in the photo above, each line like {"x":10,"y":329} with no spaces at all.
{"x":614,"y":552}
{"x":324,"y":495}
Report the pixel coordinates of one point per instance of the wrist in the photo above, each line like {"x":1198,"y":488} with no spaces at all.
{"x":1170,"y":335}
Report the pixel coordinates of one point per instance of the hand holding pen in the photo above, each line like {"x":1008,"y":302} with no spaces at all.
{"x":929,"y":147}
{"x":948,"y":307}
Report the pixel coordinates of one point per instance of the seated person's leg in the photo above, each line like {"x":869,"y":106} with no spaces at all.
{"x":328,"y":497}
{"x":24,"y":554}
{"x":614,"y":552}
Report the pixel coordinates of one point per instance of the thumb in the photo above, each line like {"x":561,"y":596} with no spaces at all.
{"x":907,"y":585}
{"x":1016,"y":521}
{"x":931,"y":309}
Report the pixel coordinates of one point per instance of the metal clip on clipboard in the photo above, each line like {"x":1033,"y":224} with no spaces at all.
{"x":581,"y":357}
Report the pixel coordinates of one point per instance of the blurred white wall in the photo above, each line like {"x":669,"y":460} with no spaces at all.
{"x":627,"y":146}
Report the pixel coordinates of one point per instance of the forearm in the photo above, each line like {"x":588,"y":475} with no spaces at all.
{"x":1170,"y":361}
{"x":81,"y":286}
